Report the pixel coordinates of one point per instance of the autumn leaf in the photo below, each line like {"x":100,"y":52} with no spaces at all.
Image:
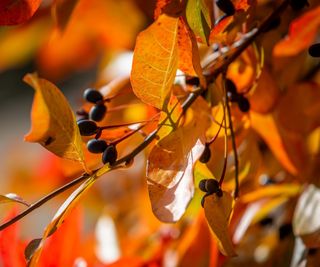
{"x":302,"y":32}
{"x":155,"y":61}
{"x":62,"y":10}
{"x":217,"y":211}
{"x":197,"y":14}
{"x":170,"y":166}
{"x":11,"y":197}
{"x":268,"y":130}
{"x":13,"y":12}
{"x":53,"y":122}
{"x":189,"y":58}
{"x":33,"y":254}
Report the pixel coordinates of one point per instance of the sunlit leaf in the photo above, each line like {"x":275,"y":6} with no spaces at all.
{"x":197,"y":16}
{"x":13,"y":198}
{"x":53,"y":122}
{"x":218,"y":211}
{"x":189,"y":59}
{"x":170,"y":166}
{"x":287,"y":190}
{"x":302,"y":32}
{"x":267,"y":128}
{"x":155,"y":61}
{"x":14,"y":12}
{"x":62,"y":10}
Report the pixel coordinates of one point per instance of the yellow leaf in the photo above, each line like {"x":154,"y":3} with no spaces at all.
{"x":217,"y":211}
{"x":53,"y":122}
{"x":155,"y":61}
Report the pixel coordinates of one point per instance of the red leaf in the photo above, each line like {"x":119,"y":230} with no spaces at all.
{"x":14,"y":12}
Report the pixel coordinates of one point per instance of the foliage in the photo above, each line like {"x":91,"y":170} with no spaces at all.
{"x":220,"y":108}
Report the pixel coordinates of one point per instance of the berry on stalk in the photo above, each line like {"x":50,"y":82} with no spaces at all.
{"x":226,"y":6}
{"x":96,"y":146}
{"x":206,"y":154}
{"x":92,"y":95}
{"x":97,"y":112}
{"x":87,"y":127}
{"x":110,"y":155}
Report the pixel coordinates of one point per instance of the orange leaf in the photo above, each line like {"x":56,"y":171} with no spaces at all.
{"x":53,"y":122}
{"x":155,"y":61}
{"x":14,"y":12}
{"x":302,"y":32}
{"x":62,"y":10}
{"x":189,"y":59}
{"x":267,"y":128}
{"x":218,"y":211}
{"x":170,"y":166}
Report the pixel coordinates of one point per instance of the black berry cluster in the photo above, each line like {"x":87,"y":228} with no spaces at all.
{"x":209,"y":186}
{"x":98,"y":111}
{"x":97,"y":146}
{"x":234,"y":96}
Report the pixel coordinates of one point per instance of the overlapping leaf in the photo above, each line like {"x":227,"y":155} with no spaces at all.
{"x":53,"y":122}
{"x":14,"y":12}
{"x":302,"y":32}
{"x":155,"y":61}
{"x":218,"y":211}
{"x":189,"y":59}
{"x":170,"y":165}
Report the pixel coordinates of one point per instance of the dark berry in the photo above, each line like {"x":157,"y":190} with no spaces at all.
{"x":87,"y":127}
{"x":314,"y":50}
{"x":92,"y":95}
{"x":266,"y":221}
{"x":206,"y":154}
{"x":96,"y":146}
{"x":273,"y":24}
{"x":202,"y":185}
{"x":298,"y":4}
{"x":226,"y":6}
{"x":193,"y":81}
{"x":243,"y":104}
{"x":110,"y":155}
{"x":285,"y":230}
{"x":312,"y":251}
{"x":97,"y":112}
{"x":212,"y":186}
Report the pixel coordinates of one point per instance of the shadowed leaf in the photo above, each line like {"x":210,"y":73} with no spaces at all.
{"x":62,"y":10}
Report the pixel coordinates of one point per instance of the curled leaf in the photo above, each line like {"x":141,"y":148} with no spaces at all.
{"x":53,"y":122}
{"x":11,"y":197}
{"x":217,"y":211}
{"x":155,"y":61}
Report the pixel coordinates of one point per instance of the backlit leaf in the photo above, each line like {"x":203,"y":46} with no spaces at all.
{"x":14,"y":12}
{"x":155,"y":61}
{"x":13,"y":198}
{"x":189,"y":59}
{"x":170,"y":166}
{"x":196,"y":14}
{"x":53,"y":122}
{"x":302,"y":32}
{"x":217,"y":211}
